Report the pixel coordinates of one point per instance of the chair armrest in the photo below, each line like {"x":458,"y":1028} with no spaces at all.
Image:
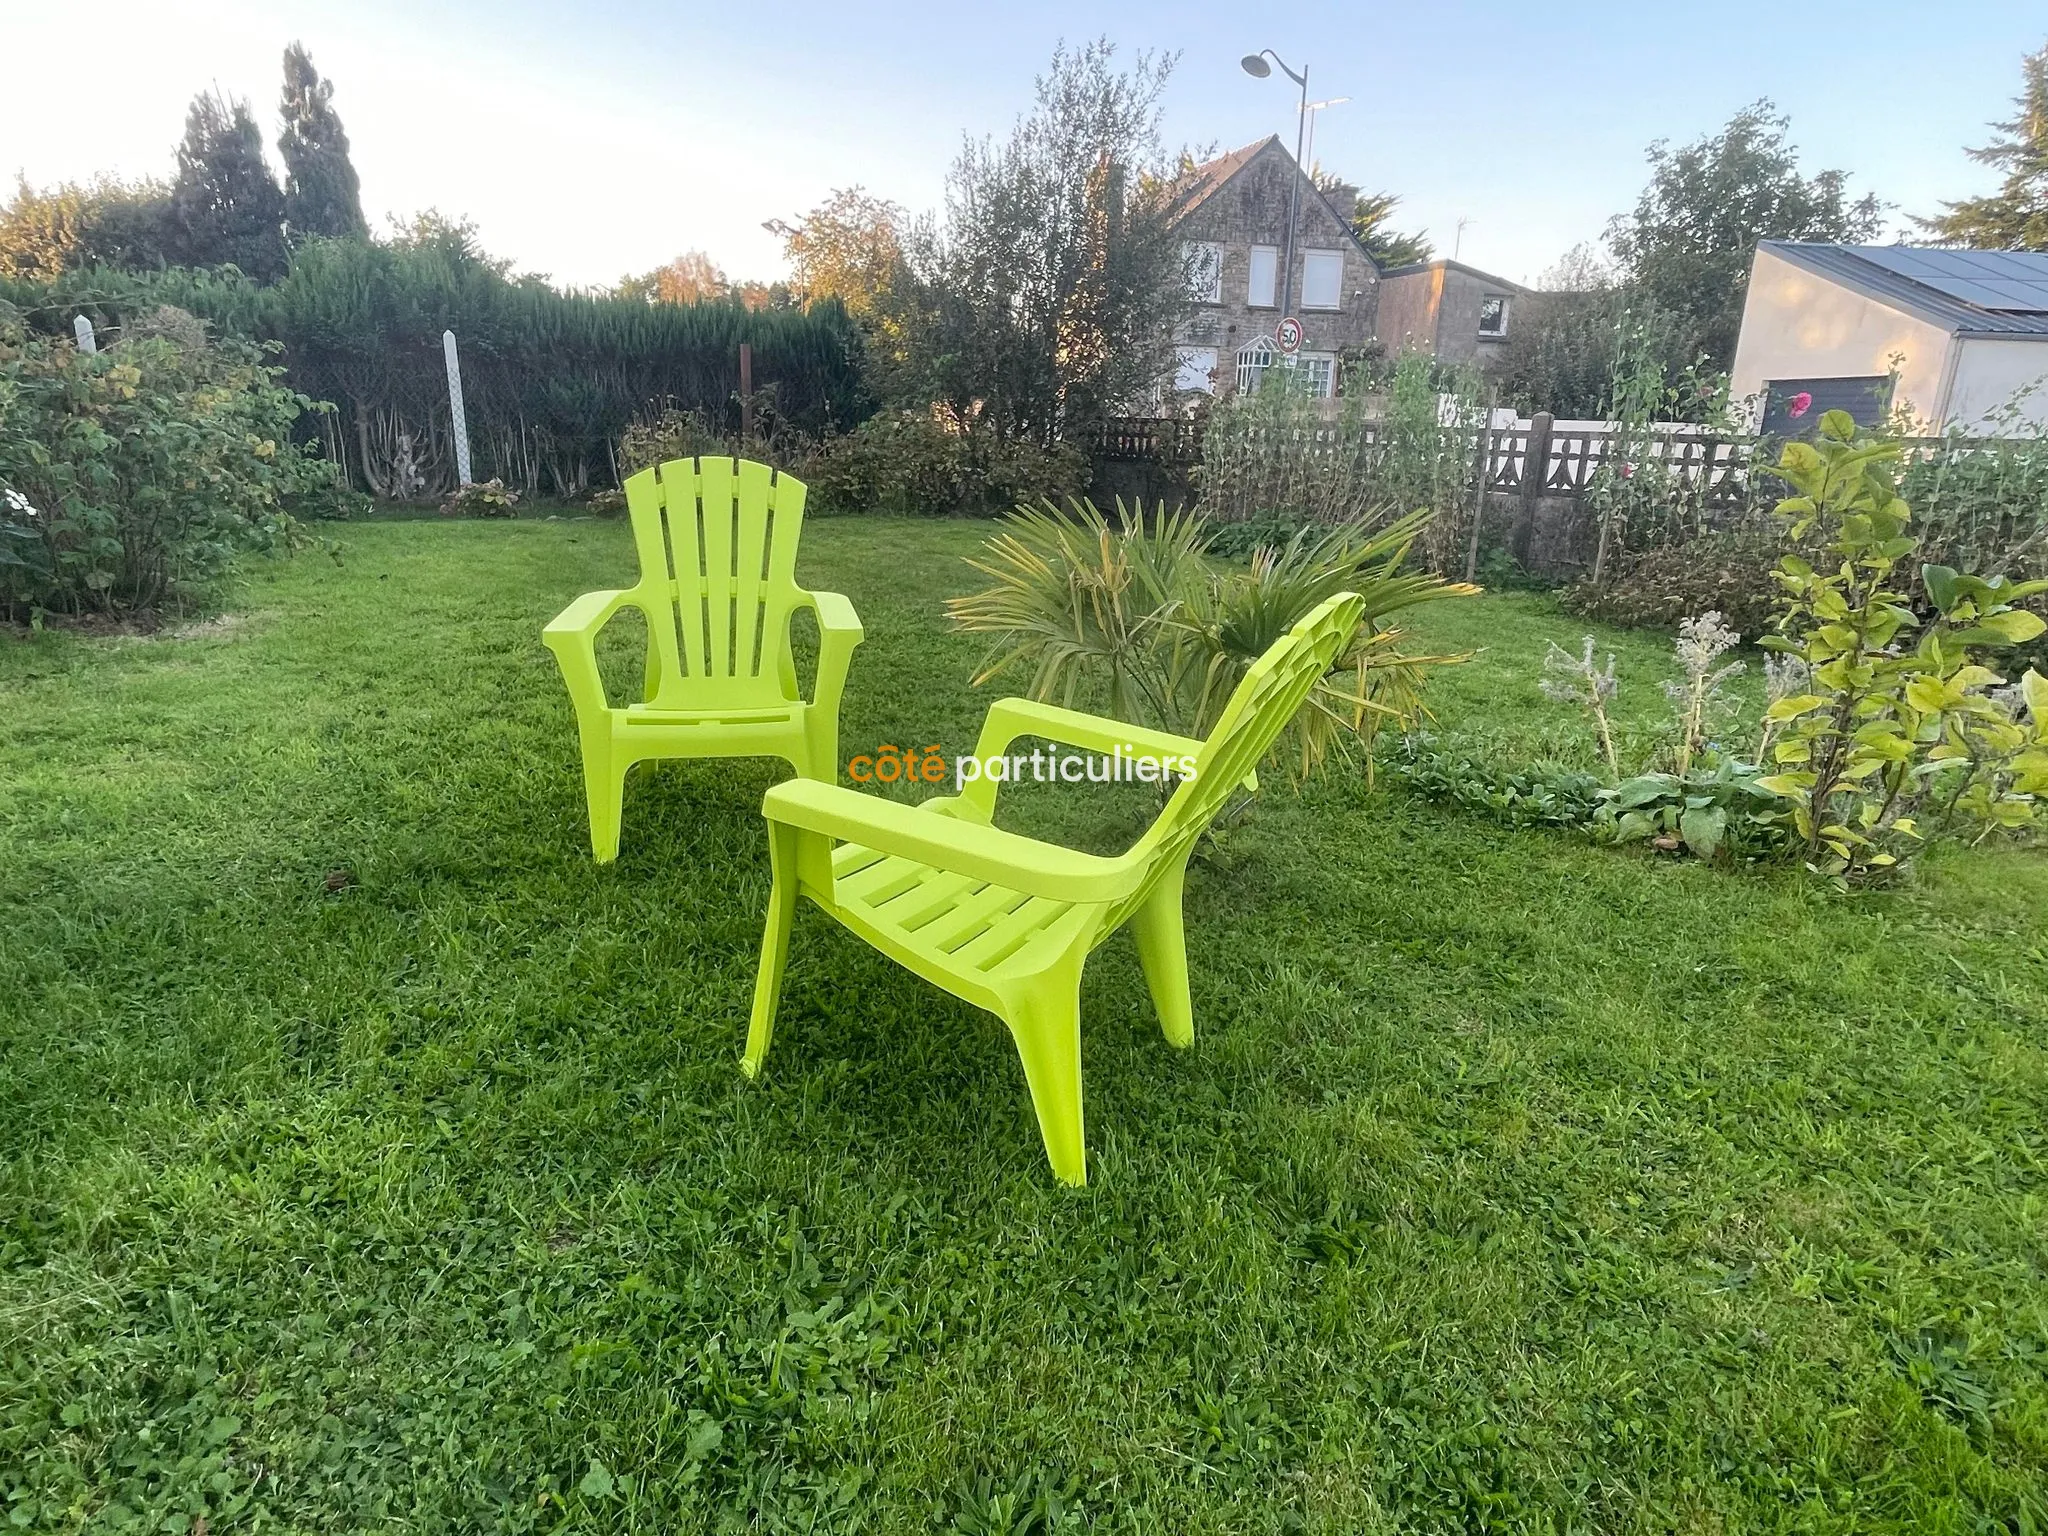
{"x":572,"y":636}
{"x":839,"y":631}
{"x":1008,"y":719}
{"x":835,"y":614}
{"x":946,"y":842}
{"x":587,"y":615}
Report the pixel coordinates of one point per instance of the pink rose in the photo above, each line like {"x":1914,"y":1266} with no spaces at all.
{"x":1799,"y":404}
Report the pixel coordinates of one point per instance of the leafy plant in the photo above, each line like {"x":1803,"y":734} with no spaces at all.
{"x":1577,"y":680}
{"x":482,"y":498}
{"x":1543,"y":795}
{"x":1701,"y":696}
{"x":1699,"y":811}
{"x":1428,"y":453}
{"x":1242,"y":540}
{"x":1854,"y":753}
{"x":130,"y":477}
{"x":1276,"y":455}
{"x":1139,"y":615}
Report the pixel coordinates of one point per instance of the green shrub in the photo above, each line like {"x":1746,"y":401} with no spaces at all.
{"x":672,"y":434}
{"x":130,"y":477}
{"x":485,"y":498}
{"x":1727,"y":573}
{"x":906,"y":462}
{"x":1887,"y":732}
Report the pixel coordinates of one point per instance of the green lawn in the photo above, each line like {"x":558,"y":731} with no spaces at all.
{"x":1512,"y":1183}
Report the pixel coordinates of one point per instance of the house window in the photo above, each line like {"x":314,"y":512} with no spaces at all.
{"x":1318,"y":370}
{"x":1252,"y":364}
{"x":1493,"y":315}
{"x":1322,"y":279}
{"x":1265,"y":276}
{"x":1194,"y":368}
{"x":1205,"y":270}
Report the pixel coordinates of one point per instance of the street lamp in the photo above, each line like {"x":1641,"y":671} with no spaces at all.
{"x":1256,"y":66}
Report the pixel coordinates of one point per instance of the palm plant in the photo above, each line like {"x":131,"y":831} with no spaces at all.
{"x":1137,"y":614}
{"x":1078,"y":602}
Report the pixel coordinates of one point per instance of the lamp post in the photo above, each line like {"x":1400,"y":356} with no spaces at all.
{"x":1256,"y":66}
{"x":1309,"y":160}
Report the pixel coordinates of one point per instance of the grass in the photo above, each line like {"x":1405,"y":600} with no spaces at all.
{"x":1512,"y":1183}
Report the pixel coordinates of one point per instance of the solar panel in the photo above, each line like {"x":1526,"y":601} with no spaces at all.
{"x":2006,"y":281}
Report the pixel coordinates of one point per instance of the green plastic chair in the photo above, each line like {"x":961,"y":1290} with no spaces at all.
{"x":1007,"y":922}
{"x":717,"y":546}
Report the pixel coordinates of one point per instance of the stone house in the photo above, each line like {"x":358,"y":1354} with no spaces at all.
{"x":1235,"y":225}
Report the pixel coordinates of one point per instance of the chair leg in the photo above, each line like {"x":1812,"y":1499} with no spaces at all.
{"x":1045,"y":1021}
{"x":1163,"y":952}
{"x":782,"y":841}
{"x":604,"y":791}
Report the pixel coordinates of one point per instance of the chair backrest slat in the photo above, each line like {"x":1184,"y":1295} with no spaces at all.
{"x":1259,"y":709}
{"x":717,"y":542}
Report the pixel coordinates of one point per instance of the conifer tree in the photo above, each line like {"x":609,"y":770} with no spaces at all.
{"x":322,"y":195}
{"x":225,"y":203}
{"x":2015,"y":217}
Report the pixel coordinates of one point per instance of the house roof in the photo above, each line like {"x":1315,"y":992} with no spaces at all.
{"x":1968,"y":293}
{"x":1208,"y":178}
{"x":1457,"y":266}
{"x":1211,"y":176}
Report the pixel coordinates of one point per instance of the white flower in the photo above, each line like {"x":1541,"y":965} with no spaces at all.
{"x":1701,"y":642}
{"x":16,"y":502}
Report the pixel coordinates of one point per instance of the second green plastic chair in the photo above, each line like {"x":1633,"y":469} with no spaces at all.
{"x":1007,"y":922}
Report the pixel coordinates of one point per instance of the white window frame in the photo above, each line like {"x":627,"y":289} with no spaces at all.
{"x":1331,"y":265}
{"x":1194,"y":368}
{"x":1253,"y":360}
{"x":1266,"y":295}
{"x":1206,"y":258}
{"x":1500,"y":332}
{"x":1320,"y":368}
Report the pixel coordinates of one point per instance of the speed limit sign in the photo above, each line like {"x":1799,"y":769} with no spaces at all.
{"x":1289,"y":335}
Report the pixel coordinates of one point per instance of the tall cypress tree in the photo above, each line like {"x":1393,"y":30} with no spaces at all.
{"x":226,"y":203}
{"x":322,"y":195}
{"x":2015,"y":217}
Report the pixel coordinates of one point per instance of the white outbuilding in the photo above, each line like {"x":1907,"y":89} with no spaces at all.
{"x":1959,"y":339}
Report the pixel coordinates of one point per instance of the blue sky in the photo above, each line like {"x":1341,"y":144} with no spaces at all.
{"x":593,"y":140}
